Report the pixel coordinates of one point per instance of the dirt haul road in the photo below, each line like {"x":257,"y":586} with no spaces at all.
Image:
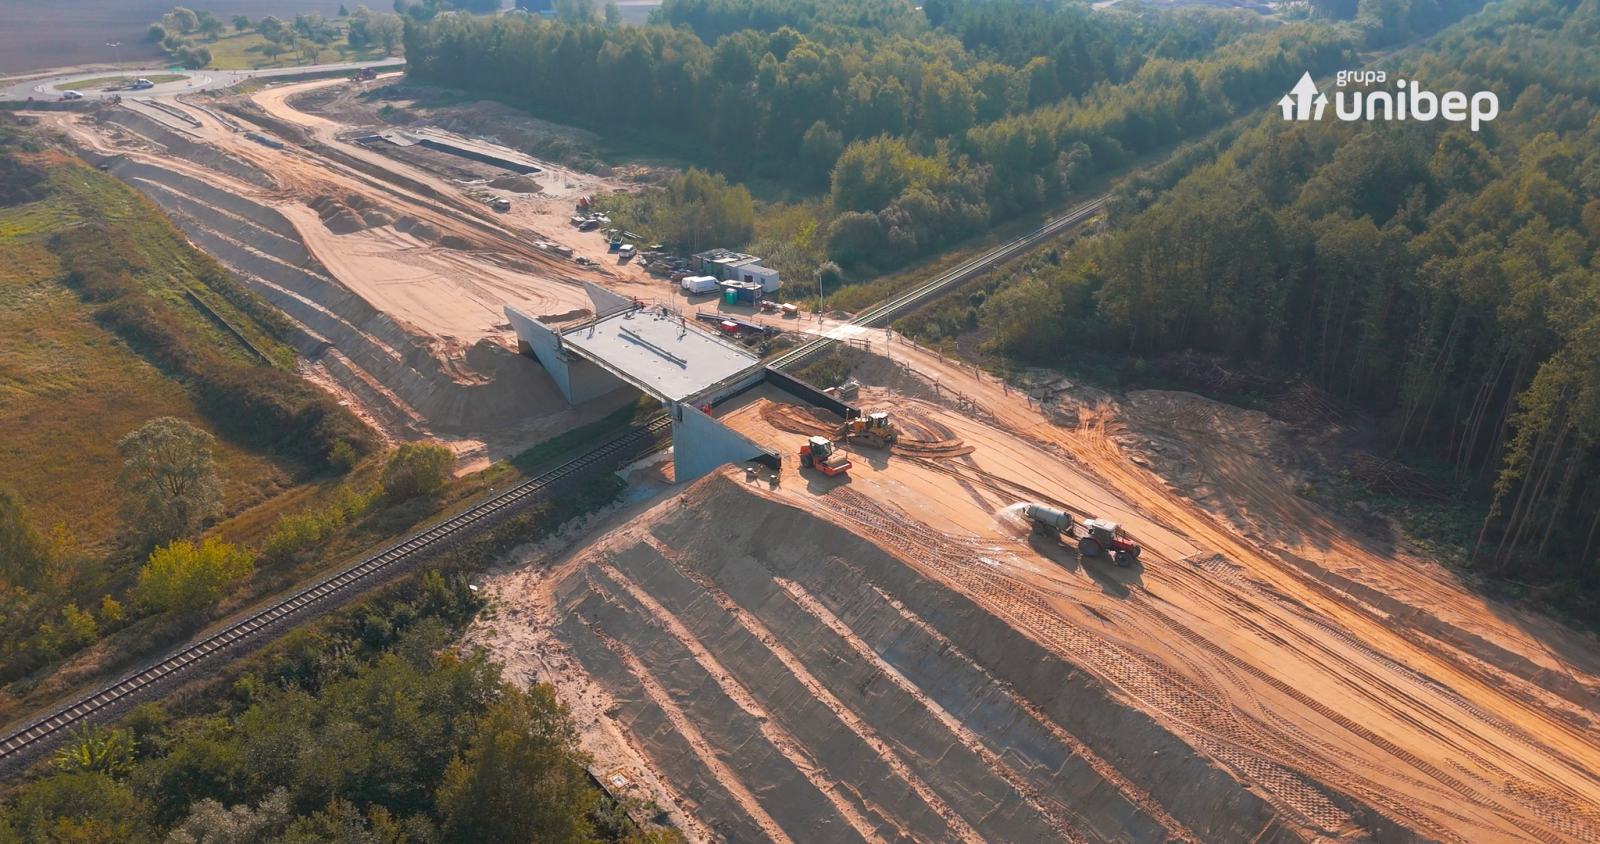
{"x":890,"y":656}
{"x":396,"y":275}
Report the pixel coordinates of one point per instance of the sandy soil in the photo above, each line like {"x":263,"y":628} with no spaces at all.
{"x":1357,"y":690}
{"x":405,"y":275}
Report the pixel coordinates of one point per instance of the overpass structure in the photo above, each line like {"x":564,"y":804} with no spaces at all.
{"x":654,"y":350}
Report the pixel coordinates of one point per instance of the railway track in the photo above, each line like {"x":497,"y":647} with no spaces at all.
{"x":898,"y":306}
{"x":326,"y":594}
{"x":23,"y":742}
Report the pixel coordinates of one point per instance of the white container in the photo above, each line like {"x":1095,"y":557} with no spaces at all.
{"x":698,"y":284}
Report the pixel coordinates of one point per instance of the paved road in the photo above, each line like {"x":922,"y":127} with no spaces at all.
{"x":198,"y":80}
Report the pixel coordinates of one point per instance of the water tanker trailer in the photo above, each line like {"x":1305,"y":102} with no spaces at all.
{"x":1094,"y":536}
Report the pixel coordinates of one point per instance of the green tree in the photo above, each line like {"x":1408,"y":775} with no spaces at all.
{"x":417,"y":469}
{"x":96,"y":749}
{"x":185,"y":20}
{"x":273,"y":50}
{"x":211,"y":26}
{"x":613,"y":14}
{"x":24,"y":554}
{"x":343,"y":12}
{"x":525,"y":761}
{"x":169,"y":481}
{"x":575,"y":11}
{"x":241,"y":23}
{"x":386,"y":31}
{"x":209,"y":822}
{"x":820,"y":148}
{"x":81,"y":808}
{"x":156,"y":34}
{"x":870,"y":174}
{"x":184,"y":577}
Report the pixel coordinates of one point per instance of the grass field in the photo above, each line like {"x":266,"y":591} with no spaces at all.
{"x":69,"y":33}
{"x":243,"y":52}
{"x":103,"y":81}
{"x":69,"y":389}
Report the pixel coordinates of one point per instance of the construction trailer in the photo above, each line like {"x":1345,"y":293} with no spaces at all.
{"x":741,"y":293}
{"x":735,"y":266}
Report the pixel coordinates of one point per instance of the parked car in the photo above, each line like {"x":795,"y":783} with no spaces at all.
{"x":71,"y":95}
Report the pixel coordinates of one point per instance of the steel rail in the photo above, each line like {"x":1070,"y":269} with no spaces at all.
{"x":329,"y":592}
{"x":897,"y":306}
{"x":333,"y":590}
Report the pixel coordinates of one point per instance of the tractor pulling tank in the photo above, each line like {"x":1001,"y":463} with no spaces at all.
{"x":1094,"y":535}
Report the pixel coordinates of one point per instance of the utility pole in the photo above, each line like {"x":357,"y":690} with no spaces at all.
{"x":117,"y":52}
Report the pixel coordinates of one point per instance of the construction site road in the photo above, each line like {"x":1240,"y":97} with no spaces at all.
{"x":192,"y":83}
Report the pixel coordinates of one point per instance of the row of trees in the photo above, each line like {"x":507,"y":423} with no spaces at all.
{"x":369,"y":728}
{"x":308,"y":35}
{"x":972,"y":112}
{"x":1441,"y":277}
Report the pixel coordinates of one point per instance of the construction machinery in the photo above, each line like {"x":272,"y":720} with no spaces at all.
{"x":874,"y":429}
{"x":821,"y":454}
{"x":1094,"y":536}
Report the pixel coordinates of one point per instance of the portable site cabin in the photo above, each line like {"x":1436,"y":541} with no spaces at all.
{"x":735,"y":266}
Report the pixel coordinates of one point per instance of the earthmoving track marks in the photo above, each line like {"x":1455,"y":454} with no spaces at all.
{"x":807,"y":422}
{"x":1176,"y":831}
{"x":954,"y":827}
{"x":1061,"y":824}
{"x":1014,"y":743}
{"x":1581,"y":825}
{"x":607,"y":578}
{"x":1239,"y":740}
{"x":1395,"y":803}
{"x":323,"y":595}
{"x":702,"y":781}
{"x":734,"y":741}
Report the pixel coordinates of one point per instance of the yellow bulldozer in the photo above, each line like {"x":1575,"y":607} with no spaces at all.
{"x":874,"y":429}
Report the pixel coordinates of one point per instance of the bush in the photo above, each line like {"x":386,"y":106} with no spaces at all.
{"x":184,"y":577}
{"x":296,"y":532}
{"x":343,"y":457}
{"x":417,"y":469}
{"x":261,"y":406}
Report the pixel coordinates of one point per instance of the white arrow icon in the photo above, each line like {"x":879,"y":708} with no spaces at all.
{"x":1303,"y":92}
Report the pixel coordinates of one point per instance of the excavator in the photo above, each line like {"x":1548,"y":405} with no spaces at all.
{"x":819,"y":453}
{"x":874,"y":429}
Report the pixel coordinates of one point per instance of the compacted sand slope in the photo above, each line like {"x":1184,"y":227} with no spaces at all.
{"x":892,"y":654}
{"x":790,"y":680}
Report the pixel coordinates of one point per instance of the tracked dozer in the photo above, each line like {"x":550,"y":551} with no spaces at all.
{"x":818,"y":453}
{"x":874,"y":429}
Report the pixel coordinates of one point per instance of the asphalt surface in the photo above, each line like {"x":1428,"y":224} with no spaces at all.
{"x":47,"y":89}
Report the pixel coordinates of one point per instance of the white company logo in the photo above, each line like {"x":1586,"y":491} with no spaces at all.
{"x":1305,"y":102}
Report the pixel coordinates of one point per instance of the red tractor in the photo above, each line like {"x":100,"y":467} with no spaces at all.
{"x":1094,"y":535}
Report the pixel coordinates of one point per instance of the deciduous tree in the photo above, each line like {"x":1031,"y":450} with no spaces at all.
{"x":169,"y":481}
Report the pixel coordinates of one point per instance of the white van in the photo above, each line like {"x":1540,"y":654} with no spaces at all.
{"x":698,"y":284}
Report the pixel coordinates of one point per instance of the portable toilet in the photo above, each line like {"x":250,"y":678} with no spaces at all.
{"x":731,"y":297}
